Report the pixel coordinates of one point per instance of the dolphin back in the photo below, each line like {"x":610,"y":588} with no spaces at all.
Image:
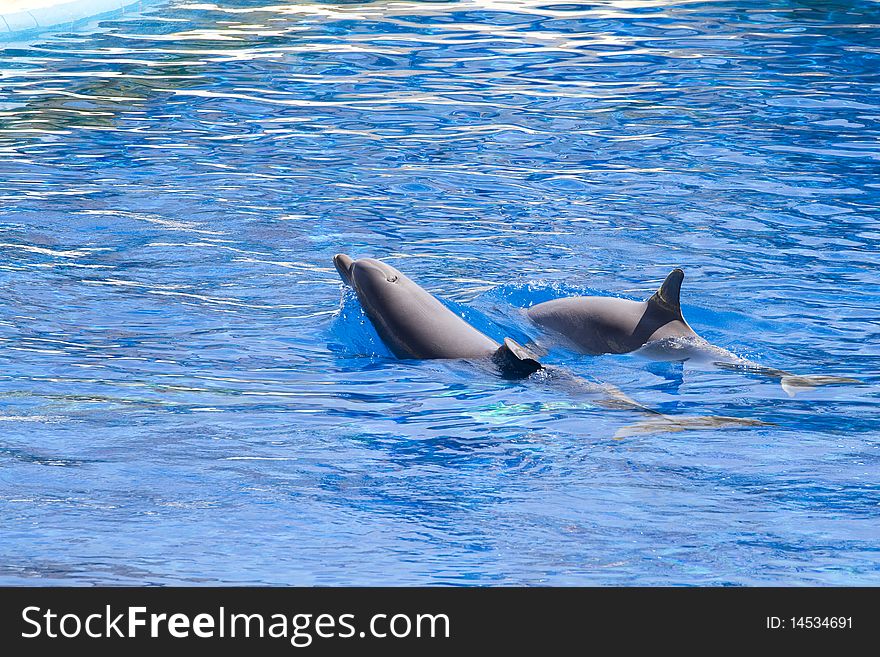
{"x":418,"y":325}
{"x":610,"y":325}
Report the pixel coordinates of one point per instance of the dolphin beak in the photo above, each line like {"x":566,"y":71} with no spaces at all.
{"x":343,"y":266}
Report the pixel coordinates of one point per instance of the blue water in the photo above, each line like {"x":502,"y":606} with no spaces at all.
{"x":187,"y":396}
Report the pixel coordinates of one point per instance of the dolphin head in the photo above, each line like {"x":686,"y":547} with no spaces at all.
{"x":387,"y":297}
{"x":367,"y":275}
{"x":373,"y":279}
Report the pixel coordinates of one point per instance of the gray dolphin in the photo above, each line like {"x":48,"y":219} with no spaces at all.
{"x":608,"y":325}
{"x":414,"y":324}
{"x":654,"y":328}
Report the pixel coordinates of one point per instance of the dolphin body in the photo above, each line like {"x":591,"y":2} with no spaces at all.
{"x":654,"y":328}
{"x":608,"y":325}
{"x":414,"y":324}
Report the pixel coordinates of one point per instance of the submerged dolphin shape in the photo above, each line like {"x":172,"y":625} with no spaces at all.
{"x":415,"y":324}
{"x":654,"y":328}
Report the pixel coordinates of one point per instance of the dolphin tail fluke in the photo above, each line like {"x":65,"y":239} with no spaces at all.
{"x":669,"y":294}
{"x":343,"y":266}
{"x":793,"y":384}
{"x":669,"y":424}
{"x":515,"y":361}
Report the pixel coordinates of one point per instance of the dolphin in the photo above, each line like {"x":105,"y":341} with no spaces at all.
{"x":415,"y":324}
{"x":608,"y":325}
{"x":654,"y":328}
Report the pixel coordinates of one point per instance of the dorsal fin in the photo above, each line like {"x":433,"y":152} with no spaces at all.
{"x":515,"y":361}
{"x":668,"y":296}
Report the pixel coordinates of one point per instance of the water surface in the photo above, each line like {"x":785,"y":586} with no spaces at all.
{"x":188,"y":397}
